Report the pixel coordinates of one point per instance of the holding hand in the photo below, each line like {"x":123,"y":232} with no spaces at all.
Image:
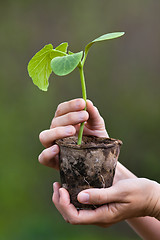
{"x":66,"y":123}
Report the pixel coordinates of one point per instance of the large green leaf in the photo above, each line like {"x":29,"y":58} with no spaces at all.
{"x":62,"y":47}
{"x":104,"y":37}
{"x":39,"y":67}
{"x":64,"y":65}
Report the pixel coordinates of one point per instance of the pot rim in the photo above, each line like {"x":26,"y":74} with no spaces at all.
{"x":98,"y":142}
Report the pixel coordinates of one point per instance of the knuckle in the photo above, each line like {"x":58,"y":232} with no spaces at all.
{"x":44,"y":155}
{"x":71,"y":103}
{"x":99,"y":198}
{"x":96,"y":109}
{"x":61,"y":132}
{"x":101,"y":120}
{"x":73,"y":221}
{"x":66,"y":220}
{"x":57,"y":131}
{"x":42,"y":136}
{"x":53,"y":199}
{"x":53,"y":123}
{"x":58,"y":110}
{"x":70,"y":117}
{"x":59,"y":106}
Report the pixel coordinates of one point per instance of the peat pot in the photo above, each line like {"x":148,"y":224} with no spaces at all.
{"x":89,"y":165}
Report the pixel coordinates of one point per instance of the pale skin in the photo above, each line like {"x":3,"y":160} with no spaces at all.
{"x":133,"y":199}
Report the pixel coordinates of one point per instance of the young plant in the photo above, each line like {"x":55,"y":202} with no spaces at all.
{"x":62,"y":63}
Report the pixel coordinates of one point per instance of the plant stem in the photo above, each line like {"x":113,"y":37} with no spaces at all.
{"x":84,"y":94}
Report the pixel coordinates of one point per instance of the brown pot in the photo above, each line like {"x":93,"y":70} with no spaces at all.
{"x":89,"y":165}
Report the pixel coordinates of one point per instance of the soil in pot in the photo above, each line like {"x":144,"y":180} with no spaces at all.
{"x":89,"y":165}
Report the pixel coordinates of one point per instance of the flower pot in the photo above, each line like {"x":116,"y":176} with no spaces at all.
{"x":89,"y":165}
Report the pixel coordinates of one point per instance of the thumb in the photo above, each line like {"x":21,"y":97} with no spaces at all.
{"x":99,"y":196}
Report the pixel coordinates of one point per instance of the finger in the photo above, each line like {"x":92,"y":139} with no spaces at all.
{"x":56,"y":195}
{"x":70,"y":106}
{"x":64,"y":206}
{"x":71,"y":118}
{"x":94,"y":217}
{"x":101,"y":196}
{"x":95,"y":120}
{"x":64,"y":197}
{"x":83,"y":217}
{"x":48,"y":137}
{"x":70,"y":213}
{"x":105,"y":215}
{"x":49,"y":157}
{"x":93,"y":112}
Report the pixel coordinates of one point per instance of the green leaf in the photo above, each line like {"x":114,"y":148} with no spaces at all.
{"x":108,"y":36}
{"x":39,"y":68}
{"x":64,"y":65}
{"x":104,"y":37}
{"x":62,"y":47}
{"x":57,"y":53}
{"x":70,"y":53}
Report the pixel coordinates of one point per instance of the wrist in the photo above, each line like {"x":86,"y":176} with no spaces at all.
{"x":122,"y":173}
{"x":156,"y":201}
{"x":156,"y":212}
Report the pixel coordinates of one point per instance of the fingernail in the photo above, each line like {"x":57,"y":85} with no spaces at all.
{"x":83,"y":197}
{"x":69,"y":130}
{"x":79,"y":103}
{"x":54,"y":148}
{"x":82,"y":115}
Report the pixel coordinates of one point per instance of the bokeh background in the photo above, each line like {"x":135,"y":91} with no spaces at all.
{"x":123,"y":81}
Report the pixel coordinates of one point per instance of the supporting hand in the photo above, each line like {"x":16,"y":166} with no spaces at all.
{"x":126,"y":199}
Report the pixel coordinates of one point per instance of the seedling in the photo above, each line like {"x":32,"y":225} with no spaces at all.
{"x":62,"y":63}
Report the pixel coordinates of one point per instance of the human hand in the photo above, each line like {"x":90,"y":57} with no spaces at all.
{"x":66,"y":123}
{"x":126,"y":199}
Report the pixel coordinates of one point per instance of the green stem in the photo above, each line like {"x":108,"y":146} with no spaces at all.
{"x":84,"y":58}
{"x":84,"y":94}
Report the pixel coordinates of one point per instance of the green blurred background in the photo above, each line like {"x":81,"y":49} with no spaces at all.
{"x":122,"y":80}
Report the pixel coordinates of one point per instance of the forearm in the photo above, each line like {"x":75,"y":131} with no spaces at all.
{"x":122,"y":173}
{"x":146,"y":227}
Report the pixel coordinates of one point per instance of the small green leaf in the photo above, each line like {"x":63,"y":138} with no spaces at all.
{"x":62,"y":47}
{"x":39,"y":68}
{"x":64,"y":65}
{"x":57,"y":53}
{"x":70,"y":53}
{"x":108,"y":36}
{"x":104,"y":37}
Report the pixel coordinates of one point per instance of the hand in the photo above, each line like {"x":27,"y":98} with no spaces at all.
{"x":126,"y":199}
{"x":65,"y":123}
